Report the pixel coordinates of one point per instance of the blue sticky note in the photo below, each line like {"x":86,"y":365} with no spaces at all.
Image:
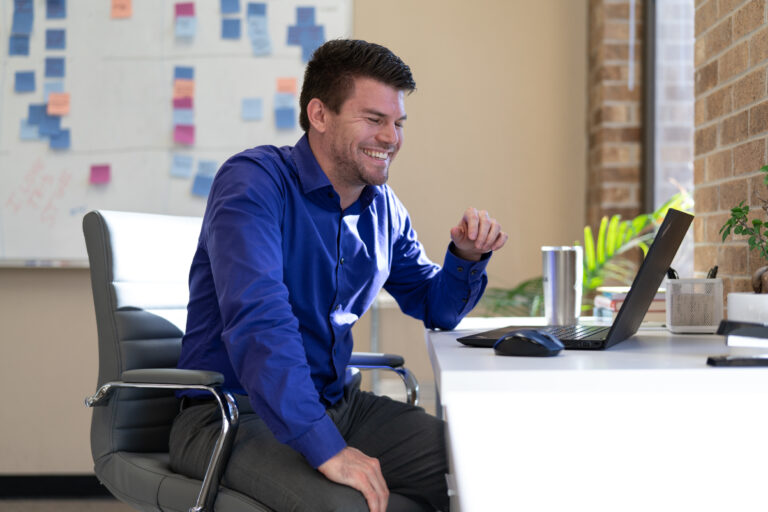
{"x":28,"y":131}
{"x":230,"y":28}
{"x":49,"y":87}
{"x":35,"y":114}
{"x":186,"y":27}
{"x":285,"y":118}
{"x":257,"y":9}
{"x":18,"y":45}
{"x":252,"y":109}
{"x":56,"y":9}
{"x":230,"y":6}
{"x":54,"y":67}
{"x":22,"y":22}
{"x":183,"y":116}
{"x":50,"y":125}
{"x":312,"y":38}
{"x":25,"y":81}
{"x":285,"y":100}
{"x":181,"y":165}
{"x":207,"y":167}
{"x":22,"y":5}
{"x":183,"y":73}
{"x":305,"y":16}
{"x":295,"y":34}
{"x":202,"y":185}
{"x":55,"y":39}
{"x":60,"y":140}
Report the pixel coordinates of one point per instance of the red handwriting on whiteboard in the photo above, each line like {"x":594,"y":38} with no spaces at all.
{"x":39,"y":193}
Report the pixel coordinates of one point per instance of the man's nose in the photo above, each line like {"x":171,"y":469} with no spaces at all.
{"x":388,"y":134}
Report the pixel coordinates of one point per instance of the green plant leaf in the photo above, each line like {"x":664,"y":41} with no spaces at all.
{"x":589,"y":249}
{"x":600,"y":247}
{"x":612,"y":241}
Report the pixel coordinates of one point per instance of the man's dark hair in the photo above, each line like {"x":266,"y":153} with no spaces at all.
{"x":330,"y":74}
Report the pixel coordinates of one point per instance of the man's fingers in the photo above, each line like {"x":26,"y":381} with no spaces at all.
{"x":471,"y":220}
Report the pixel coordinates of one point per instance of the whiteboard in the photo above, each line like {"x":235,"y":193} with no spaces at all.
{"x":119,"y":73}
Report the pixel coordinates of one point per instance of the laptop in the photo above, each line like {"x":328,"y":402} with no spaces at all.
{"x":650,"y":275}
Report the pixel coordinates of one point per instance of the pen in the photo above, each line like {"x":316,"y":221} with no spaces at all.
{"x":672,"y":273}
{"x":712,"y":273}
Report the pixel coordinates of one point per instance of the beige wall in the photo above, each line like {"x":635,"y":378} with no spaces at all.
{"x":498,"y":122}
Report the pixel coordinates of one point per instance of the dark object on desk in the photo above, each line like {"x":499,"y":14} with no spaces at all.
{"x":672,"y":273}
{"x":528,"y":342}
{"x":712,"y":273}
{"x":760,"y":360}
{"x":635,"y":305}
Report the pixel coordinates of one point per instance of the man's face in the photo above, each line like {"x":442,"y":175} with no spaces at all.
{"x":367,"y":133}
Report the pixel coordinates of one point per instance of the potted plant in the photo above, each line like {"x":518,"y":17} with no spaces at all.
{"x":750,"y":307}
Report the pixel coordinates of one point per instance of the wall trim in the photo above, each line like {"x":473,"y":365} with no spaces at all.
{"x":51,"y":486}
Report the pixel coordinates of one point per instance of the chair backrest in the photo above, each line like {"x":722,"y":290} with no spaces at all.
{"x":139,"y":274}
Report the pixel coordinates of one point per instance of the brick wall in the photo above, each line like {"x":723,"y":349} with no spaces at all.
{"x":615,"y":111}
{"x":731,"y":118}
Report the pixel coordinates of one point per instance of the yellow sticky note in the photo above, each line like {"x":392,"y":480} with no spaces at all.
{"x":122,"y":8}
{"x":58,"y":104}
{"x":183,"y":88}
{"x":287,"y":84}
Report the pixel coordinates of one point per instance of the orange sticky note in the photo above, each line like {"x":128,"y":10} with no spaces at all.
{"x":287,"y":84}
{"x":58,"y":104}
{"x":122,"y":8}
{"x":183,"y":88}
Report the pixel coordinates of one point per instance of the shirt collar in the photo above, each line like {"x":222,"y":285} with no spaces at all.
{"x":312,"y":177}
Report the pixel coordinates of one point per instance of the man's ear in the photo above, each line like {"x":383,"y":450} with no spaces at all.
{"x":317,"y":113}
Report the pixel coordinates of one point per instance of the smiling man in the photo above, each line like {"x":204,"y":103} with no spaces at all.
{"x":295,"y":245}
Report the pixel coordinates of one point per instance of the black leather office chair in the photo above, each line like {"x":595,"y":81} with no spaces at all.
{"x":139,"y":273}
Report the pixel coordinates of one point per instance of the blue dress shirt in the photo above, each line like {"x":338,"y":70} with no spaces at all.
{"x":281,"y":274}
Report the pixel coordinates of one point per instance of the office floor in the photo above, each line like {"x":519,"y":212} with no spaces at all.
{"x":65,"y":505}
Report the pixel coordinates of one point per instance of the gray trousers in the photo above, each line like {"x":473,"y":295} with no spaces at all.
{"x":408,"y":442}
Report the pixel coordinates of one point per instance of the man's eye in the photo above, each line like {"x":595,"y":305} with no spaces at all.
{"x":399,"y":125}
{"x":374,"y":120}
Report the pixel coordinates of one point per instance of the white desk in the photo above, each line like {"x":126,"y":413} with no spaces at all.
{"x":645,"y":425}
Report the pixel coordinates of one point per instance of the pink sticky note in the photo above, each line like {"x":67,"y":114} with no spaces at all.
{"x":100,"y":174}
{"x":182,"y":103}
{"x":287,"y":84}
{"x":184,"y":134}
{"x":185,"y":9}
{"x":183,"y":88}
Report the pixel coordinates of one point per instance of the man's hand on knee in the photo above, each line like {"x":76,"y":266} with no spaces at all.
{"x":353,"y":468}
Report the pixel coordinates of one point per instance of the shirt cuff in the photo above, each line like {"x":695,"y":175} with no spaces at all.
{"x":320,"y":443}
{"x":465,"y":270}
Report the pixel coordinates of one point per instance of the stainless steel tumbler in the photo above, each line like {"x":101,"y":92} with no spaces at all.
{"x":563,"y":272}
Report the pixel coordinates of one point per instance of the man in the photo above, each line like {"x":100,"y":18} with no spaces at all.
{"x":296,"y":243}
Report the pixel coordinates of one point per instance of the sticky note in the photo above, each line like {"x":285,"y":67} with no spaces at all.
{"x":22,"y":22}
{"x":22,"y":5}
{"x":58,"y":104}
{"x":183,"y":116}
{"x":50,"y":125}
{"x":28,"y":131}
{"x":182,"y":103}
{"x":55,"y":39}
{"x":183,"y":88}
{"x":230,"y":6}
{"x":122,"y":9}
{"x":181,"y":165}
{"x":305,"y":16}
{"x":259,"y":35}
{"x":252,"y":109}
{"x":54,"y":67}
{"x":186,"y":27}
{"x":18,"y":45}
{"x":35,"y":114}
{"x":202,"y":185}
{"x":52,"y":86}
{"x":285,"y":100}
{"x":230,"y":28}
{"x":185,"y":9}
{"x":25,"y":81}
{"x":184,"y":72}
{"x":285,"y":118}
{"x":287,"y":84}
{"x":184,"y":134}
{"x":312,"y":39}
{"x":56,"y":9}
{"x":207,"y":167}
{"x":60,"y":139}
{"x":100,"y":174}
{"x":257,"y":9}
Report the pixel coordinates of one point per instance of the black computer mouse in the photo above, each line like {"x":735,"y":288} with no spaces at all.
{"x":528,"y":342}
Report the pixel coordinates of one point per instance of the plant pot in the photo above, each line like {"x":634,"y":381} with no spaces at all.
{"x":748,"y":307}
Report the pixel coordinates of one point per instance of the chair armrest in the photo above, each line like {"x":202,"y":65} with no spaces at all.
{"x":376,"y":359}
{"x":173,"y":376}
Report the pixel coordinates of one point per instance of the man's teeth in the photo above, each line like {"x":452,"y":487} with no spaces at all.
{"x":376,"y":154}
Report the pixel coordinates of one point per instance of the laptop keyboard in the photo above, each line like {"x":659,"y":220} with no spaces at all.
{"x":579,"y":332}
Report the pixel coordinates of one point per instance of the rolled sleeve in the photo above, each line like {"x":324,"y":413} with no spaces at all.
{"x":320,"y":443}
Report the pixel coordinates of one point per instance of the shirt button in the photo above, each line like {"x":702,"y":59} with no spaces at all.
{"x":473,"y":272}
{"x":460,"y":269}
{"x":338,"y":307}
{"x":341,"y":261}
